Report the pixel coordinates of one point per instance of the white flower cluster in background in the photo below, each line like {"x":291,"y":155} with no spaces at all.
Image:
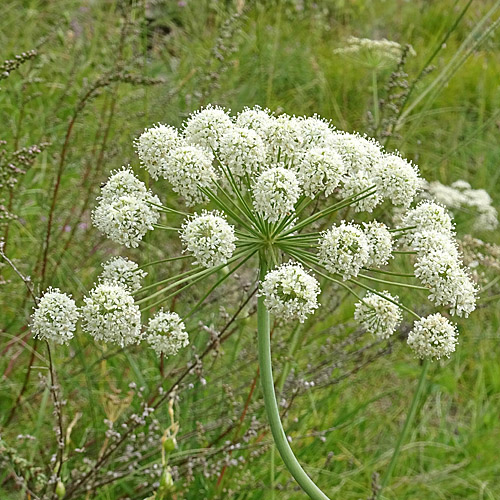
{"x":124,"y":272}
{"x":290,"y":292}
{"x":166,"y":333}
{"x":209,"y":238}
{"x":372,"y":53}
{"x":461,"y":197}
{"x":55,"y":317}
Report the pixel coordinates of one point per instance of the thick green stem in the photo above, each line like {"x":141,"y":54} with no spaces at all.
{"x":408,"y":422}
{"x":266,"y":377}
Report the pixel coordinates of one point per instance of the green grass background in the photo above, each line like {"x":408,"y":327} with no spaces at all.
{"x":277,"y":54}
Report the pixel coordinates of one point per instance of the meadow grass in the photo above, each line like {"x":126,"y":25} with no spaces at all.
{"x":145,"y":65}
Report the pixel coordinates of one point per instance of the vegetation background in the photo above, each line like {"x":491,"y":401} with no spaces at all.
{"x":105,"y":70}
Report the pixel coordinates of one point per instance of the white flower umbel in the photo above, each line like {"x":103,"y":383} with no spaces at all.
{"x":154,"y":145}
{"x":125,"y":211}
{"x":206,"y":127}
{"x":316,"y":132}
{"x":110,"y":314}
{"x":290,"y":292}
{"x":449,"y":284}
{"x":320,"y":169}
{"x":284,"y":140}
{"x":166,"y":333}
{"x":433,"y":337}
{"x":358,"y":153}
{"x":357,"y":182}
{"x":54,"y":317}
{"x":275,"y":193}
{"x":378,"y":315}
{"x":424,"y":242}
{"x":122,"y":271}
{"x":209,"y":238}
{"x":427,"y":216}
{"x":189,"y":168}
{"x":397,"y":179}
{"x":344,"y":249}
{"x":123,"y":182}
{"x":379,"y":243}
{"x":242,"y":151}
{"x":257,"y":119}
{"x":127,"y":219}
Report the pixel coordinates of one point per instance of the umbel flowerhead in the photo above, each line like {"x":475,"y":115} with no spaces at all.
{"x":292,"y":198}
{"x":275,"y":187}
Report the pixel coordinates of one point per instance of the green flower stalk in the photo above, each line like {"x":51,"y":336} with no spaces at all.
{"x":258,"y":177}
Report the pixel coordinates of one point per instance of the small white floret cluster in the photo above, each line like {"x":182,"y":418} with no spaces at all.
{"x":166,"y":333}
{"x":290,"y":292}
{"x":126,"y":209}
{"x":433,"y":337}
{"x":55,"y":317}
{"x":124,"y":272}
{"x":380,"y":243}
{"x":209,"y":238}
{"x":154,"y":145}
{"x":344,"y":249}
{"x":378,"y":315}
{"x":275,"y":191}
{"x":438,"y":264}
{"x":110,"y":314}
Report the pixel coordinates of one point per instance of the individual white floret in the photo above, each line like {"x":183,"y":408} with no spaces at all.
{"x":257,"y":119}
{"x":284,"y":140}
{"x":189,"y":168}
{"x":54,"y":317}
{"x":166,"y":333}
{"x":275,"y":193}
{"x":242,"y":151}
{"x":320,"y":169}
{"x":122,"y":271}
{"x":361,"y":182}
{"x":377,"y":315}
{"x":397,"y":180}
{"x":126,"y":209}
{"x":449,"y":284}
{"x":209,"y":238}
{"x":290,"y":292}
{"x":110,"y":314}
{"x":433,"y":337}
{"x":207,"y":126}
{"x":380,"y":243}
{"x":344,"y":249}
{"x":154,"y":145}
